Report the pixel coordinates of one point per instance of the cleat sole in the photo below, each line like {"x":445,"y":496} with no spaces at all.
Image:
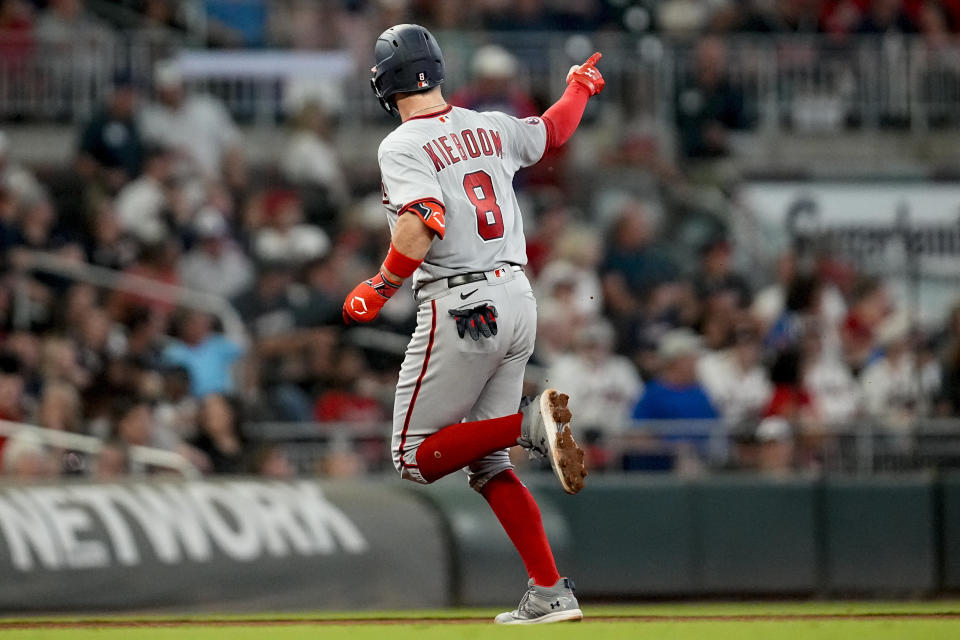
{"x":574,"y":615}
{"x":566,"y":456}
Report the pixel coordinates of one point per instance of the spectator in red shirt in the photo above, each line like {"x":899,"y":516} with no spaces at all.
{"x":876,"y":16}
{"x":11,"y":392}
{"x":890,"y":16}
{"x":157,"y":262}
{"x":495,"y":86}
{"x":551,"y":222}
{"x":869,"y":304}
{"x":790,"y":399}
{"x":16,"y":24}
{"x":350,"y":399}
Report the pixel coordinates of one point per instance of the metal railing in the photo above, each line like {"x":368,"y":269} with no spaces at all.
{"x":804,"y":83}
{"x":307,"y":444}
{"x":145,"y":456}
{"x":67,"y":80}
{"x":40,"y":262}
{"x":862,"y":447}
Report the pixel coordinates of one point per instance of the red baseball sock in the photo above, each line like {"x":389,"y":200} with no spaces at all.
{"x":519,"y":515}
{"x":457,"y":445}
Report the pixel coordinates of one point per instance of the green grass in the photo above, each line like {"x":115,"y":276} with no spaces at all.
{"x":924,"y":630}
{"x":653,"y":609}
{"x":302,"y":627}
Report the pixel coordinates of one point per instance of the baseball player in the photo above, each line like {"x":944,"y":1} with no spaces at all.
{"x":457,"y":230}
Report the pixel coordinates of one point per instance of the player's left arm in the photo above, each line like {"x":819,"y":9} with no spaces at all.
{"x":409,"y":245}
{"x":412,"y":239}
{"x":583,"y":82}
{"x":420,"y":220}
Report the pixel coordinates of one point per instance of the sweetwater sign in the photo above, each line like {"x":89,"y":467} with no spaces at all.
{"x":277,"y":544}
{"x":907,"y":232}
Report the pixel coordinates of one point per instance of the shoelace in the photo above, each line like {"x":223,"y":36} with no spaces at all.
{"x":522,"y":607}
{"x":534,"y":452}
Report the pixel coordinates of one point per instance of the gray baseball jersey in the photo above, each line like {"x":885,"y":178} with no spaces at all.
{"x":455,"y":169}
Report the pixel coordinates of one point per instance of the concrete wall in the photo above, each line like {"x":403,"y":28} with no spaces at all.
{"x":262,"y":545}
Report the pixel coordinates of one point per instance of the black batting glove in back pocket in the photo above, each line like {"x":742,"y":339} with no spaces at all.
{"x":478,"y":321}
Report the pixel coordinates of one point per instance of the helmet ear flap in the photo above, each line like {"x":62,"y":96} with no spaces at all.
{"x":386,"y":103}
{"x":390,"y":107}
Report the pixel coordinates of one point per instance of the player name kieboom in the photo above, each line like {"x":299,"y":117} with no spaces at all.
{"x":466,"y":145}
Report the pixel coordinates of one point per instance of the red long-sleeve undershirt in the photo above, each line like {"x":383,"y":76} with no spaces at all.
{"x":563,"y":117}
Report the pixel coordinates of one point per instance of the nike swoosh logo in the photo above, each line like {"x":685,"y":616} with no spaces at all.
{"x":464,"y":296}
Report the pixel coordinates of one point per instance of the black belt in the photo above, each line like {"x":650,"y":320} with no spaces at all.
{"x":465,"y":278}
{"x":475,"y":276}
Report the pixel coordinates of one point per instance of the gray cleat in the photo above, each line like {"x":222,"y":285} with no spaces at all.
{"x":545,"y":432}
{"x":533,"y":436}
{"x":541,"y":605}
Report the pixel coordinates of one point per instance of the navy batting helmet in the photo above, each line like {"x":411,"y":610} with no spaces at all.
{"x":408,"y":60}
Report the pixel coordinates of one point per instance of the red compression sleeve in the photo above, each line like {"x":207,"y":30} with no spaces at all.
{"x":564,"y":116}
{"x":457,"y":445}
{"x":400,"y":264}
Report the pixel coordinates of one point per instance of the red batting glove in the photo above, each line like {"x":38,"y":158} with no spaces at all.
{"x":363,"y":304}
{"x":588,"y":75}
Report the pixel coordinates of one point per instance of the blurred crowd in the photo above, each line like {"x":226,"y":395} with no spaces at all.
{"x":160,"y":194}
{"x":328,"y":24}
{"x":58,"y":54}
{"x":650,"y":310}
